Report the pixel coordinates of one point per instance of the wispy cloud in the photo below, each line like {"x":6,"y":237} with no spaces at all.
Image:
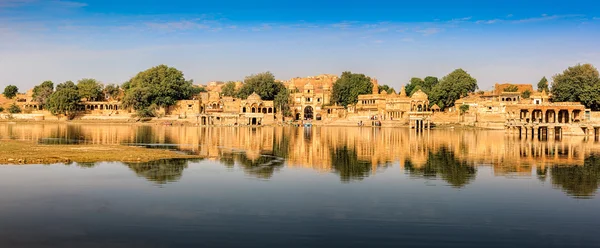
{"x":14,"y":3}
{"x":488,"y":21}
{"x":429,"y":31}
{"x":262,"y":27}
{"x":541,"y":18}
{"x":41,"y":3}
{"x":68,"y":4}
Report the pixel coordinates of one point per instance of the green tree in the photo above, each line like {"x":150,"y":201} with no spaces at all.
{"x":66,"y":85}
{"x":347,"y":88}
{"x":159,"y":86}
{"x":14,"y":109}
{"x":229,"y":89}
{"x":425,"y":85}
{"x":452,"y":87}
{"x":579,"y":83}
{"x":11,"y":91}
{"x":1,"y":109}
{"x":90,"y":89}
{"x":42,"y":92}
{"x":414,"y":83}
{"x":65,"y":100}
{"x":282,"y":102}
{"x":526,"y":94}
{"x":543,"y":85}
{"x":263,"y":84}
{"x":111,"y":91}
{"x":464,"y":108}
{"x":430,"y":82}
{"x":386,"y":88}
{"x":511,"y":88}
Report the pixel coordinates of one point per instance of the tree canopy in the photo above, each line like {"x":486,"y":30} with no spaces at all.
{"x":159,"y":86}
{"x":579,"y":83}
{"x":65,"y":100}
{"x":526,"y":94}
{"x":511,"y":88}
{"x":89,"y":89}
{"x":111,"y":91}
{"x":425,"y":85}
{"x":229,"y":89}
{"x":42,"y":92}
{"x":386,"y":88}
{"x":543,"y":85}
{"x":10,"y":91}
{"x":14,"y":109}
{"x":347,"y":88}
{"x":263,"y":84}
{"x":452,"y":87}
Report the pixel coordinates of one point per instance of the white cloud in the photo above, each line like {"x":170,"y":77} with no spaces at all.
{"x":429,"y":31}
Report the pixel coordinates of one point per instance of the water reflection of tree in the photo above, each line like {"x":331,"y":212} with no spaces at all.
{"x":262,"y":167}
{"x":345,"y":162}
{"x":578,"y":181}
{"x":160,"y":171}
{"x":86,"y":164}
{"x":445,"y":165}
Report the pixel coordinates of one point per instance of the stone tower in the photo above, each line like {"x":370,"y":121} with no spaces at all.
{"x":375,"y":86}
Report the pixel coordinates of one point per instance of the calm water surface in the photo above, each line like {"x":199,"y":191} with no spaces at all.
{"x":297,"y":187}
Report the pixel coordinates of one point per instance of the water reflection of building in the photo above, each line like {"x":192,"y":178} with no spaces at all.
{"x":352,"y":152}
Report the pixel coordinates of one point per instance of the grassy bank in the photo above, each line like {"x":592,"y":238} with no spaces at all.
{"x":23,"y":152}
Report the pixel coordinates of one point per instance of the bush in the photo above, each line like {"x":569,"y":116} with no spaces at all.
{"x":464,"y":108}
{"x":14,"y":109}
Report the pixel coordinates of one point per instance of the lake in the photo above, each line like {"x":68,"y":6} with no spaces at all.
{"x":304,"y":187}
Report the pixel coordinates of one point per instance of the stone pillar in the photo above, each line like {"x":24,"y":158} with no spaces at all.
{"x":543,"y":118}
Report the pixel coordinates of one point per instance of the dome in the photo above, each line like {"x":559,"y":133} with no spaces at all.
{"x":419,"y":95}
{"x":254,"y":97}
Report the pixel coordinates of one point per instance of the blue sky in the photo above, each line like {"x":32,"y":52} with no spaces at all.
{"x":504,"y":41}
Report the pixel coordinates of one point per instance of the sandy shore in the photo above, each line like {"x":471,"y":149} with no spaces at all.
{"x":23,"y":152}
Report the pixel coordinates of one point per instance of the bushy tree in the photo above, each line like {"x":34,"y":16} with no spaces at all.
{"x":464,"y":108}
{"x":452,"y":87}
{"x":111,"y":91}
{"x":511,"y":88}
{"x":89,"y":89}
{"x":526,"y":94}
{"x":424,"y":85}
{"x":14,"y":109}
{"x":159,"y":86}
{"x":229,"y":89}
{"x":65,"y":100}
{"x":414,"y":85}
{"x":263,"y":84}
{"x":282,"y":102}
{"x":543,"y":85}
{"x":347,"y":88}
{"x":42,"y":92}
{"x":386,"y":88}
{"x":579,"y":83}
{"x":10,"y":91}
{"x":430,"y":82}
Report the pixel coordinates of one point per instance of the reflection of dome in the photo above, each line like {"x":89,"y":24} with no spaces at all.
{"x":419,"y":95}
{"x":254,"y":97}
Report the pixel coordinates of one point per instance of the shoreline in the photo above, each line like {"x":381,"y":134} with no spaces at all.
{"x":171,"y":122}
